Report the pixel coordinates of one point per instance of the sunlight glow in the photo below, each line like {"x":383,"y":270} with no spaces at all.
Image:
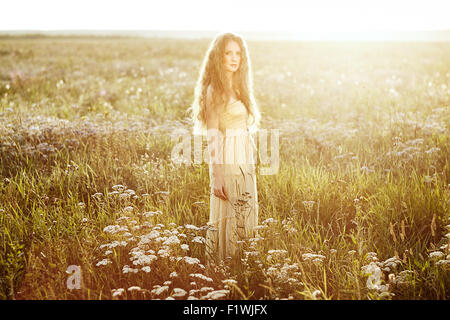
{"x":343,"y":19}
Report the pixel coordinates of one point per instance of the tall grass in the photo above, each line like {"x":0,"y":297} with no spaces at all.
{"x":359,"y":208}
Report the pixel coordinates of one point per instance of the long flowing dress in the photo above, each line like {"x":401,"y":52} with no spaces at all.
{"x":234,"y":219}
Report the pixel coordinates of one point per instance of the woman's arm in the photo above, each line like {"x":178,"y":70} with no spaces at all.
{"x":215,"y":146}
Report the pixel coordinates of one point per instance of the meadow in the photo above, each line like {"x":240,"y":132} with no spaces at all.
{"x":359,"y":207}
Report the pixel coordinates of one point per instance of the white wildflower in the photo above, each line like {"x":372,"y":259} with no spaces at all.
{"x":136,"y":253}
{"x":317,"y":294}
{"x":436,"y":255}
{"x":312,"y":256}
{"x":127,"y":269}
{"x":432,"y":150}
{"x":201,"y":276}
{"x":149,"y":214}
{"x":134,"y":288}
{"x":114,"y":229}
{"x":146,"y":269}
{"x":193,"y":291}
{"x":117,"y":243}
{"x":273,"y":252}
{"x":163,"y":253}
{"x":251,"y":253}
{"x":191,"y":227}
{"x":443,"y":262}
{"x":191,"y":260}
{"x":124,"y":196}
{"x":317,"y":261}
{"x":172,"y":240}
{"x":178,"y":292}
{"x":217,"y":294}
{"x":390,"y":264}
{"x":160,"y":239}
{"x":117,"y":292}
{"x":103,"y":262}
{"x":122,"y":218}
{"x":119,"y":187}
{"x":164,"y":193}
{"x":128,"y":209}
{"x":97,"y":195}
{"x":292,"y":281}
{"x":372,"y":256}
{"x":148,"y":237}
{"x":145,"y":259}
{"x":269,"y":220}
{"x":160,"y":290}
{"x":229,"y":281}
{"x":199,"y":239}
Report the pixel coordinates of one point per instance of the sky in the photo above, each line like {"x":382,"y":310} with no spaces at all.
{"x":230,"y":15}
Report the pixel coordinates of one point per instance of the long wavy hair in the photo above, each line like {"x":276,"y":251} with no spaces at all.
{"x":213,"y":74}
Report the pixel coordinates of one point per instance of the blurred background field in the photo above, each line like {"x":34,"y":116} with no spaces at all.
{"x":359,"y":208}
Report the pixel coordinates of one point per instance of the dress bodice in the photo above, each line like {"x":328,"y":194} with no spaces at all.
{"x":239,"y":148}
{"x":234,"y":116}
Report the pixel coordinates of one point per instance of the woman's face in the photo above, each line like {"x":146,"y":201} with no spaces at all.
{"x":232,"y":56}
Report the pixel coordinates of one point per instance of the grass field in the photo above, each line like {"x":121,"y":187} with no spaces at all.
{"x":359,"y":208}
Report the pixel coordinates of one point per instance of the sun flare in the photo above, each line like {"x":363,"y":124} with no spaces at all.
{"x":318,"y":20}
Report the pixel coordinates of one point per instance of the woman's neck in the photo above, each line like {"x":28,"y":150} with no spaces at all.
{"x":229,"y":76}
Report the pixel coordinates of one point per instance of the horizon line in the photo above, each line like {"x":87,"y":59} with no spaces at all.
{"x":441,"y":35}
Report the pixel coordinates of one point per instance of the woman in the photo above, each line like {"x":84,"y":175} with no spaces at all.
{"x":224,"y":109}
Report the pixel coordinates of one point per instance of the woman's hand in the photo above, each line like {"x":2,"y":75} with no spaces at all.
{"x":219,"y":187}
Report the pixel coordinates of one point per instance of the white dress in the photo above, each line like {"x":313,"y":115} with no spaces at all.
{"x":234,"y":219}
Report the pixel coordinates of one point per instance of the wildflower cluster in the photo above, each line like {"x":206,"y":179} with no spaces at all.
{"x":156,"y":259}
